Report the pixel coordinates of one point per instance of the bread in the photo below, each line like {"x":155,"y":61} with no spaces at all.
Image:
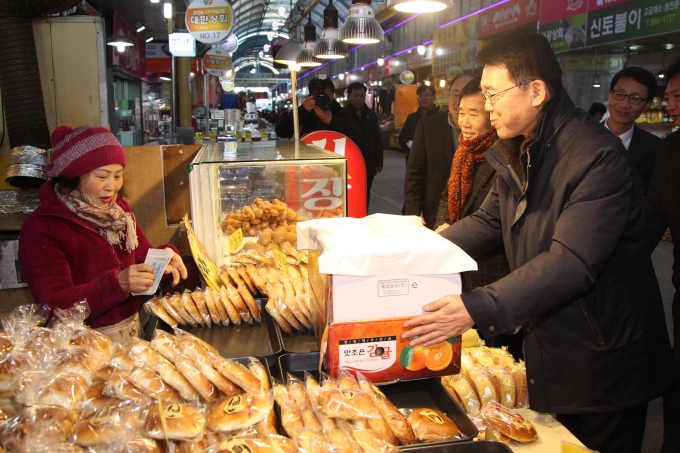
{"x":78,"y":361}
{"x":483,"y":385}
{"x":341,"y":442}
{"x":121,"y":359}
{"x":95,"y":342}
{"x":227,"y":387}
{"x":10,"y":369}
{"x":190,"y":306}
{"x":143,"y":444}
{"x":280,"y":320}
{"x":282,"y":308}
{"x":154,"y":307}
{"x":238,"y":412}
{"x":165,"y":344}
{"x":223,"y":298}
{"x":150,"y":383}
{"x":311,"y":441}
{"x":202,"y":306}
{"x":236,"y":374}
{"x":235,"y":298}
{"x":176,"y":302}
{"x":431,"y":425}
{"x":258,"y":370}
{"x":291,"y":302}
{"x":191,"y":372}
{"x":519,"y":375}
{"x":66,"y":390}
{"x":182,"y":422}
{"x":192,"y":346}
{"x":505,"y":385}
{"x":249,"y":301}
{"x":246,"y":278}
{"x":508,"y":422}
{"x":370,"y":442}
{"x":346,"y":404}
{"x":103,"y":373}
{"x":216,"y":312}
{"x":256,"y":278}
{"x":291,"y":419}
{"x":37,"y":428}
{"x":106,"y":425}
{"x":94,"y":396}
{"x":309,"y":419}
{"x":118,"y":386}
{"x":467,"y":395}
{"x":170,"y":309}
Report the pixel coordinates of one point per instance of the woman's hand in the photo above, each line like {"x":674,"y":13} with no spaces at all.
{"x":136,"y":278}
{"x":448,"y":318}
{"x":176,"y":268}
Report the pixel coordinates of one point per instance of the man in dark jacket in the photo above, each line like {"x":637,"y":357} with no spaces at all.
{"x":313,"y":118}
{"x":366,"y":121}
{"x":631,"y":92}
{"x":661,"y":205}
{"x":426,"y":107}
{"x":567,"y":209}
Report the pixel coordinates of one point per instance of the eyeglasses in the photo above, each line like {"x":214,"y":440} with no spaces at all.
{"x":634,"y":99}
{"x":491,"y":98}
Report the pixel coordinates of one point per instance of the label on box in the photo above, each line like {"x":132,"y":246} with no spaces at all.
{"x":235,"y":240}
{"x":368,"y":354}
{"x":395,"y":287}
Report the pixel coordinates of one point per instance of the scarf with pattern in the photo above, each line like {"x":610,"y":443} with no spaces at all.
{"x":468,"y":154}
{"x":113,"y":223}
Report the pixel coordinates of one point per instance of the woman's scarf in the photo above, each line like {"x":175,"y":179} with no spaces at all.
{"x":468,"y":154}
{"x":113,"y":223}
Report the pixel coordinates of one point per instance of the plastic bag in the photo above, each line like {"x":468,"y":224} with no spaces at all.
{"x":175,"y":421}
{"x":239,"y":412}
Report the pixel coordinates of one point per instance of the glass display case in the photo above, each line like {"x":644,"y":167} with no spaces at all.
{"x":265,"y":186}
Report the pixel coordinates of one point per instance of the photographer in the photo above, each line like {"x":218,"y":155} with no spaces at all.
{"x":320,"y":111}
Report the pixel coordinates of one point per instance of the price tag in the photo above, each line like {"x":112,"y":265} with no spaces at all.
{"x":205,"y":265}
{"x":280,"y":260}
{"x":235,"y":240}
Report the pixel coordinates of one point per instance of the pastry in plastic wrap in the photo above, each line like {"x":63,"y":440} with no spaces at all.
{"x":291,"y":419}
{"x":483,"y":385}
{"x":505,"y":385}
{"x":150,"y":383}
{"x":143,"y":444}
{"x":218,"y":314}
{"x":65,"y":390}
{"x":508,"y":422}
{"x":395,"y":419}
{"x":464,"y":389}
{"x":95,"y":342}
{"x":192,"y":373}
{"x":174,"y":421}
{"x":37,"y":427}
{"x":519,"y":374}
{"x":232,"y":313}
{"x":341,"y":441}
{"x":370,"y":442}
{"x":121,"y":358}
{"x":312,"y":441}
{"x":164,"y":343}
{"x":106,"y":425}
{"x":202,"y":306}
{"x":239,"y":412}
{"x":260,"y":372}
{"x":237,"y":374}
{"x":431,"y":425}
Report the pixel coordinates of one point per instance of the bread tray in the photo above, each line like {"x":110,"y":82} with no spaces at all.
{"x":406,"y":394}
{"x":256,"y":340}
{"x":482,"y":446}
{"x":299,"y":342}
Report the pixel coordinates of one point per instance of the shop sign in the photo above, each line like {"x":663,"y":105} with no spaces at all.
{"x":455,"y":48}
{"x":216,"y":62}
{"x":322,"y":190}
{"x":633,"y":19}
{"x":566,"y":34}
{"x":555,"y":10}
{"x":209,"y":21}
{"x":230,"y":44}
{"x":182,"y":45}
{"x":133,"y":59}
{"x":594,"y":5}
{"x":507,"y":16}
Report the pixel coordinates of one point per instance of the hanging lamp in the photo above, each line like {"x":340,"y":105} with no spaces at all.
{"x":329,"y":47}
{"x":361,"y":26}
{"x":306,"y":58}
{"x":120,"y":41}
{"x":290,"y":51}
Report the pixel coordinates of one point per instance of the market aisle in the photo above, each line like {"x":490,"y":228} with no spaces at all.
{"x":387,"y":193}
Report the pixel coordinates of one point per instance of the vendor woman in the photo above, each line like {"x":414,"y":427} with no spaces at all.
{"x":83,"y":243}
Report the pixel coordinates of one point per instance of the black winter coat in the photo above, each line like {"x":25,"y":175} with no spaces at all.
{"x":581,"y":284}
{"x":371,"y":140}
{"x":408,"y":130}
{"x":309,"y":122}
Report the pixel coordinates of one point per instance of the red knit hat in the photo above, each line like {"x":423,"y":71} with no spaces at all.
{"x":82,"y":150}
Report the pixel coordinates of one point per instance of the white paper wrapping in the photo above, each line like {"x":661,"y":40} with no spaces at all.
{"x":381,"y":244}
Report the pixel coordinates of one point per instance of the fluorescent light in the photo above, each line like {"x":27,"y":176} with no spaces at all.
{"x":380,"y":61}
{"x":442,"y":83}
{"x":421,"y":49}
{"x":282,"y":11}
{"x":420,"y":6}
{"x":167,"y":79}
{"x":167,"y":10}
{"x":149,"y":39}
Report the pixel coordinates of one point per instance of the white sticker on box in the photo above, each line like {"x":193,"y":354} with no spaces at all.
{"x":368,"y":354}
{"x":395,"y":287}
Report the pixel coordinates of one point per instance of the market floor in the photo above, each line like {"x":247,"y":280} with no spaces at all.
{"x":387,"y":196}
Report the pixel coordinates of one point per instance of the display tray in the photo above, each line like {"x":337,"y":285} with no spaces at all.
{"x":256,"y":340}
{"x":482,"y":446}
{"x":404,"y":395}
{"x":299,"y":342}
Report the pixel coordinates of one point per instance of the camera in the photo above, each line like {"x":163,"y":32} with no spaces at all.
{"x":323,"y":101}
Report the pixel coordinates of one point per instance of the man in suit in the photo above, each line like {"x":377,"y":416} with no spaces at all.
{"x":429,"y":162}
{"x":661,"y":207}
{"x":366,"y":121}
{"x":426,"y":107}
{"x":631,"y":92}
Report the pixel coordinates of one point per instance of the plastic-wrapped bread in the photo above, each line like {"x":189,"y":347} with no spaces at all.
{"x":259,"y":371}
{"x":296,"y":278}
{"x":205,"y":366}
{"x":202,"y":306}
{"x":519,"y":374}
{"x":154,"y":307}
{"x":291,"y":419}
{"x":228,"y":313}
{"x":190,"y":306}
{"x":466,"y":393}
{"x":218,"y":314}
{"x":103,"y":373}
{"x":176,"y":301}
{"x":191,"y":372}
{"x":256,"y":278}
{"x":395,"y":419}
{"x":107,"y":425}
{"x":65,"y":390}
{"x":238,"y":303}
{"x":95,"y":342}
{"x":79,"y":361}
{"x":508,"y":422}
{"x":249,"y":301}
{"x":341,"y":441}
{"x":370,"y":442}
{"x":165,"y":344}
{"x":174,"y":421}
{"x":246,"y":278}
{"x":237,"y":374}
{"x":288,"y":249}
{"x":170,"y":309}
{"x":292,"y":303}
{"x":280,"y":320}
{"x":312,"y":441}
{"x":143,"y":444}
{"x":118,"y":387}
{"x":502,"y":356}
{"x":505,"y":385}
{"x":431,"y":425}
{"x":239,"y":412}
{"x":146,"y":380}
{"x":483,"y":385}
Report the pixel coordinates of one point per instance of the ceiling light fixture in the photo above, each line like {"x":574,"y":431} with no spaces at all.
{"x":420,"y":6}
{"x":289,"y":52}
{"x":282,"y":11}
{"x":270,"y":36}
{"x":421,"y":49}
{"x":442,"y":83}
{"x":155,"y":1}
{"x":275,"y":25}
{"x":167,"y":10}
{"x":139,"y":26}
{"x":596,"y":83}
{"x":267,"y":47}
{"x":328,"y":47}
{"x":149,"y":39}
{"x":380,"y":61}
{"x":167,"y":79}
{"x":120,"y":41}
{"x":341,"y":76}
{"x":306,"y":57}
{"x":361,"y":26}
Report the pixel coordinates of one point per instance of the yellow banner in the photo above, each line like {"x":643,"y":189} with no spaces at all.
{"x":205,"y":265}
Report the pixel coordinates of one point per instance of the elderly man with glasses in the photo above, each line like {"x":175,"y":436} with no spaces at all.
{"x":569,"y":213}
{"x":631,"y":92}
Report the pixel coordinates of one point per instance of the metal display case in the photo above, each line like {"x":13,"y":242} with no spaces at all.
{"x":226,"y":178}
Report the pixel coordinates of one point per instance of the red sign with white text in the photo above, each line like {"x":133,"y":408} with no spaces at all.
{"x":356,"y":172}
{"x":594,"y":5}
{"x":133,"y":58}
{"x":507,"y":16}
{"x":554,"y":10}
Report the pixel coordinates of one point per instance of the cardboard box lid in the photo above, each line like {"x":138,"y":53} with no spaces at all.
{"x":381,"y":244}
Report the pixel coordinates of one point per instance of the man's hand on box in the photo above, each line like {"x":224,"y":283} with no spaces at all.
{"x":446,"y":318}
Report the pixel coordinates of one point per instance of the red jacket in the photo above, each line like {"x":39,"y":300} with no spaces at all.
{"x":65,"y":260}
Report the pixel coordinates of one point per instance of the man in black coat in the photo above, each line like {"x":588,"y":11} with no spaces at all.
{"x":566,"y":207}
{"x":429,"y":163}
{"x":661,"y":205}
{"x":426,"y":107}
{"x":631,"y":92}
{"x":366,"y":121}
{"x":313,"y":118}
